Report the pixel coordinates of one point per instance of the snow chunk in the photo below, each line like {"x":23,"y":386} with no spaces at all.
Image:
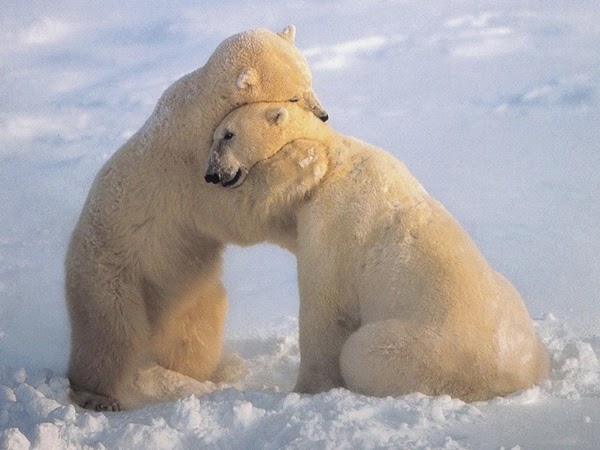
{"x":47,"y":435}
{"x":20,"y":376}
{"x":92,"y":423}
{"x":7,"y":393}
{"x":186,"y":414}
{"x":575,"y":368}
{"x":13,"y":439}
{"x":142,"y":437}
{"x":246,"y":414}
{"x":66,"y":414}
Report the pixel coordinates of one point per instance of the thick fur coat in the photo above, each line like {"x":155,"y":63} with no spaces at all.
{"x":394,"y":295}
{"x":143,"y":269}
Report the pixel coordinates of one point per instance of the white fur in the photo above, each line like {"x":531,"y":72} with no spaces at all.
{"x":143,"y":270}
{"x":394,"y":295}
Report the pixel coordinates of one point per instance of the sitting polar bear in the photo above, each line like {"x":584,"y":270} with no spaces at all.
{"x":143,"y":269}
{"x":394,"y":295}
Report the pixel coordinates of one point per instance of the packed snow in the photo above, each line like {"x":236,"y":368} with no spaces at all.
{"x":494,"y":107}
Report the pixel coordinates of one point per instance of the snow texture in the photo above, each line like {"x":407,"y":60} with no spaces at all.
{"x":494,"y":107}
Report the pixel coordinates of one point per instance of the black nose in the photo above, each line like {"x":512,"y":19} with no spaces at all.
{"x":212,"y":178}
{"x":324,"y":117}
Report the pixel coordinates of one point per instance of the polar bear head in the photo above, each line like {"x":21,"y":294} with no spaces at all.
{"x":266,"y":66}
{"x":254,"y":133}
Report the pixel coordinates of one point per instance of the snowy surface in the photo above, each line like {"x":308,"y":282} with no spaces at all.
{"x":494,"y":106}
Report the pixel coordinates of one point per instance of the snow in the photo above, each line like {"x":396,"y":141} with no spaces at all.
{"x":494,"y":107}
{"x":261,"y":412}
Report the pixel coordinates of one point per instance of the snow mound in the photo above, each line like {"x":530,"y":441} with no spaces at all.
{"x":259,"y":411}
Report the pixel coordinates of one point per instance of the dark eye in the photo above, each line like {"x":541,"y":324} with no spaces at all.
{"x":294,"y":99}
{"x":228,"y":135}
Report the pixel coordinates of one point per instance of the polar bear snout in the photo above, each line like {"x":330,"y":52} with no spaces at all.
{"x":314,"y":105}
{"x":223,"y":167}
{"x":230,"y":179}
{"x":235,"y":181}
{"x":212,"y":178}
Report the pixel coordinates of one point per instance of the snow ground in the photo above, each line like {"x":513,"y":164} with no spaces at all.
{"x":494,"y":107}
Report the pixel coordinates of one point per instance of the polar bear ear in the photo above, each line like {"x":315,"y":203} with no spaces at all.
{"x":289,"y":33}
{"x":277,"y":116}
{"x":248,"y":77}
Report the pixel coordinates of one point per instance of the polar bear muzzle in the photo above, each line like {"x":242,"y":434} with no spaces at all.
{"x":314,"y":105}
{"x":225,"y":179}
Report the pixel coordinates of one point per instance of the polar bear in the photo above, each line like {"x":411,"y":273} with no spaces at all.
{"x":394,"y":295}
{"x":143,"y":268}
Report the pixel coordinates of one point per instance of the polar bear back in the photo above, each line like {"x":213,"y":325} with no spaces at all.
{"x":403,"y":255}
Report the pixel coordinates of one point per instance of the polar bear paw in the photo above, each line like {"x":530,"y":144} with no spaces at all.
{"x":95,"y":402}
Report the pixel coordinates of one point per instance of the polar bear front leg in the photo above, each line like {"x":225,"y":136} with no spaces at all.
{"x":320,"y":348}
{"x":109,"y":332}
{"x":323,"y":330}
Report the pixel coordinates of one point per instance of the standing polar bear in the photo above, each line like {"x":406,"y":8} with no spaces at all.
{"x":143,"y":269}
{"x":394,"y":295}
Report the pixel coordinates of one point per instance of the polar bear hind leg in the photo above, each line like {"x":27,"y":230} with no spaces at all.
{"x":389,"y":358}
